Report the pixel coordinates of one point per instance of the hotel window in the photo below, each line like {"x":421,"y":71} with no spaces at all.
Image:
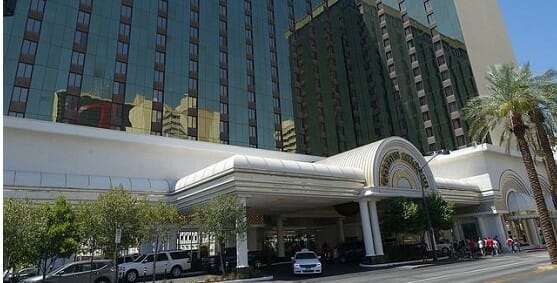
{"x":251,"y":114}
{"x":122,"y":48}
{"x":124,"y":30}
{"x":83,"y":18}
{"x":222,"y":26}
{"x":156,"y":116}
{"x":78,"y":58}
{"x":159,"y":57}
{"x":452,"y":107}
{"x":163,"y":5}
{"x":404,"y":18}
{"x":80,"y":38}
{"x":419,"y":85}
{"x":444,"y":75}
{"x":416,"y":71}
{"x":36,"y":5}
{"x":192,"y":102}
{"x":192,"y":121}
{"x":194,"y":16}
{"x":251,"y":97}
{"x":381,"y":18}
{"x":386,"y":42}
{"x":224,"y":108}
{"x":456,"y":124}
{"x":74,"y":80}
{"x":120,"y":68}
{"x":383,"y":29}
{"x":126,"y":11}
{"x":193,"y":66}
{"x":431,"y":19}
{"x":33,"y":25}
{"x":441,"y":60}
{"x":437,"y":45}
{"x":422,"y":100}
{"x":449,"y":91}
{"x":161,"y":40}
{"x":223,"y":57}
{"x":161,"y":22}
{"x":28,"y":48}
{"x":252,"y":131}
{"x":389,"y":54}
{"x":413,"y":57}
{"x":407,"y":30}
{"x":24,"y":71}
{"x":429,"y":132}
{"x":19,"y":94}
{"x":223,"y":91}
{"x":410,"y":44}
{"x":223,"y":73}
{"x":118,"y":92}
{"x":194,"y":49}
{"x":425,"y":116}
{"x":223,"y":41}
{"x":159,"y":77}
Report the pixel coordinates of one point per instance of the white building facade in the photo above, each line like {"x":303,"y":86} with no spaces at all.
{"x":290,"y":198}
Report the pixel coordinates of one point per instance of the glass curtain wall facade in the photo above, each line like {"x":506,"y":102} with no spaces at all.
{"x":365,"y":70}
{"x":211,"y":70}
{"x":309,"y":76}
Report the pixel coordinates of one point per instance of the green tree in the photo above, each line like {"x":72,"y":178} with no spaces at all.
{"x":160,"y":221}
{"x":403,"y":217}
{"x":441,"y":212}
{"x":57,"y":233}
{"x":509,"y":101}
{"x":19,"y":232}
{"x":222,"y":218}
{"x":120,"y":209}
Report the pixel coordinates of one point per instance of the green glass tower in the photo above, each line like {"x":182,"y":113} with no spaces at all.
{"x":308,"y":76}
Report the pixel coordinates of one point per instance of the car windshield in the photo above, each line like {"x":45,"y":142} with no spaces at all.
{"x":305,"y":255}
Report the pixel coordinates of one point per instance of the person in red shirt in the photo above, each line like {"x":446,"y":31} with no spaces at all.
{"x":489,"y":246}
{"x":472,"y":246}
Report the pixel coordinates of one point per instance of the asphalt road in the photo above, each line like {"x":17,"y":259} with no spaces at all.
{"x":524,"y":267}
{"x":508,"y":268}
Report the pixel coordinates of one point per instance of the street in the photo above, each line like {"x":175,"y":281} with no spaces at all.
{"x":506,"y":268}
{"x":523,"y":267}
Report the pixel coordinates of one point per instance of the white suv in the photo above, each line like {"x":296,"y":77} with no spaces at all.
{"x":173,"y":262}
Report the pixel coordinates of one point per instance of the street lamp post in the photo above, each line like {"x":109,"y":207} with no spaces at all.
{"x":422,"y":183}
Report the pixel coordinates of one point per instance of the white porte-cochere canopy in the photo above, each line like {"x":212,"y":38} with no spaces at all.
{"x":271,"y":184}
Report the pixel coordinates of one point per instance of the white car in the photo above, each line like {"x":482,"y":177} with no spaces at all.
{"x":170,"y":262}
{"x":306,"y":262}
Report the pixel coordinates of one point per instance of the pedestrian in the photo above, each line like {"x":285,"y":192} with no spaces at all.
{"x":481,"y":246}
{"x":472,"y":246}
{"x":496,"y":246}
{"x":489,"y":246}
{"x":510,"y":244}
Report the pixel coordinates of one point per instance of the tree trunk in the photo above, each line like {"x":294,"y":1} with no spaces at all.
{"x":221,"y":251}
{"x":547,"y":227}
{"x":545,"y":146}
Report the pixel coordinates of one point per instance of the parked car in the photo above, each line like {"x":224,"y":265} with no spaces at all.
{"x":174,"y":262}
{"x":22,"y":274}
{"x":351,"y":251}
{"x":101,"y":271}
{"x":127,"y":258}
{"x":306,"y":262}
{"x":211,"y":264}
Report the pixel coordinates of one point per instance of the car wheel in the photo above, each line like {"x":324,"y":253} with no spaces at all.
{"x":102,"y":280}
{"x":176,"y":271}
{"x":131,"y":276}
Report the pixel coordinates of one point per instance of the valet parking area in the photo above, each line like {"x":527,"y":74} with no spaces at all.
{"x":292,"y":201}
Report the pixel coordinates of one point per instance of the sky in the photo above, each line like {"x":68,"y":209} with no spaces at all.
{"x":532,"y":28}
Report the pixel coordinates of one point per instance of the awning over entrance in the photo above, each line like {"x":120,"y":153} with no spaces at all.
{"x":271,"y":185}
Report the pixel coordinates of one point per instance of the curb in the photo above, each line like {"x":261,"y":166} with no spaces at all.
{"x":402,"y":263}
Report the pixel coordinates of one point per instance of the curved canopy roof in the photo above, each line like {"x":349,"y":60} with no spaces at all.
{"x":270,"y":165}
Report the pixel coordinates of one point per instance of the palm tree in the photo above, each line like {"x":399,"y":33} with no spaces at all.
{"x":507,"y":105}
{"x":543,"y":116}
